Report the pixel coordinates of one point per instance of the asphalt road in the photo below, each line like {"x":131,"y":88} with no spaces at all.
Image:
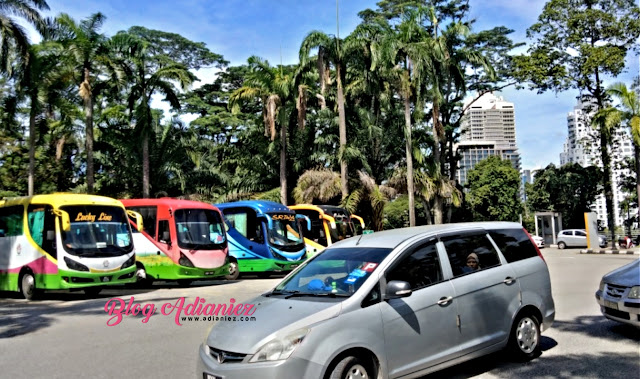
{"x":66,"y":335}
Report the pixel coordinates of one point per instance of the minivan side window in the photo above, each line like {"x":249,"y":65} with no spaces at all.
{"x":580,"y":233}
{"x":421,"y":268}
{"x":460,"y":249}
{"x":514,"y":244}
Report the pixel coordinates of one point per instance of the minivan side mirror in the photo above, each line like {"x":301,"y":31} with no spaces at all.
{"x":397,"y":289}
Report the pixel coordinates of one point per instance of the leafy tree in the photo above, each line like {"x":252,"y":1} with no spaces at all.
{"x":329,"y":51}
{"x":576,"y":45}
{"x":630,"y":114}
{"x":96,"y":68}
{"x":570,"y":189}
{"x":14,"y":43}
{"x":273,"y":87}
{"x":494,"y":190}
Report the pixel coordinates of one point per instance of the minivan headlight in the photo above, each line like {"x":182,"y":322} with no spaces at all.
{"x":280,"y":348}
{"x":634,"y":293}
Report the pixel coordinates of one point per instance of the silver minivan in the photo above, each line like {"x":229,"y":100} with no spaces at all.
{"x":393,"y":304}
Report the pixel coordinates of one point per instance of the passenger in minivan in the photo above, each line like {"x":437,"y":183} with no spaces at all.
{"x":473,"y":263}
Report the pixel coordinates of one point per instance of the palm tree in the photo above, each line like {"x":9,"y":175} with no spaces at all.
{"x":13,"y":38}
{"x":40,"y":78}
{"x":148,"y":77}
{"x":272,"y":86}
{"x":329,"y":51}
{"x":406,"y":55}
{"x":630,"y":103}
{"x":87,"y":46}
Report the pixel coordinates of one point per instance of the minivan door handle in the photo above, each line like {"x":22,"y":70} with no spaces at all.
{"x":509,"y":280}
{"x":445,"y":300}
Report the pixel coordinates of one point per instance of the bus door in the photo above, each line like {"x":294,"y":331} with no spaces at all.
{"x":42,"y":227}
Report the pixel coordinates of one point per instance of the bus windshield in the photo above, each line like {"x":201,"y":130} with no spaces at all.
{"x":97,"y":231}
{"x":200,"y":229}
{"x":284,"y":231}
{"x":344,"y":229}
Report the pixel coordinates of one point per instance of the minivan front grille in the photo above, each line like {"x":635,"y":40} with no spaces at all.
{"x":616,"y":313}
{"x":615,"y":291}
{"x":222,"y":356}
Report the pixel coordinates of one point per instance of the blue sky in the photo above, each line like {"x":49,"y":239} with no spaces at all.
{"x":274,"y":29}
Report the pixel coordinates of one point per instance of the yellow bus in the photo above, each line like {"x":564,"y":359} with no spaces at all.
{"x":329,"y":224}
{"x":64,"y":241}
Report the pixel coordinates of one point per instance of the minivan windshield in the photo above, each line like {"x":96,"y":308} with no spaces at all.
{"x":334,"y":272}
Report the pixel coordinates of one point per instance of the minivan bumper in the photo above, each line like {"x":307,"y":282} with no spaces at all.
{"x":208,"y":368}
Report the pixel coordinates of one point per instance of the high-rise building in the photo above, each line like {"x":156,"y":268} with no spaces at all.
{"x":583,"y":147}
{"x":488,"y":128}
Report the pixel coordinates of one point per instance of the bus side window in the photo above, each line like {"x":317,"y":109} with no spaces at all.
{"x":164,"y":235}
{"x":11,"y":220}
{"x":41,"y":221}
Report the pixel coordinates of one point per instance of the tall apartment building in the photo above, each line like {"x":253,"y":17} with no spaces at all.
{"x":583,"y":147}
{"x":488,"y":128}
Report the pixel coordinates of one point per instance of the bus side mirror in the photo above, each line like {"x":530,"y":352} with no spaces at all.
{"x":166,"y":237}
{"x":64,"y":219}
{"x":138,"y":219}
{"x":51,"y":235}
{"x":303,"y":217}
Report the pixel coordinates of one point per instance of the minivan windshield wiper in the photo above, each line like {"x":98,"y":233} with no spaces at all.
{"x":278,"y":292}
{"x":323,"y":294}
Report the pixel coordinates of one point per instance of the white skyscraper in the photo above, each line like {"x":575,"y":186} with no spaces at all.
{"x":583,"y":147}
{"x":488,"y":128}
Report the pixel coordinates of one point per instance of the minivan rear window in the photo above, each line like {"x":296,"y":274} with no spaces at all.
{"x":515,"y":244}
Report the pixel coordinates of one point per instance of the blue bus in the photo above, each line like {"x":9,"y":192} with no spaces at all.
{"x":264,"y":237}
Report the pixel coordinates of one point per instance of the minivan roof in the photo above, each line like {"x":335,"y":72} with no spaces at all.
{"x":394,"y":237}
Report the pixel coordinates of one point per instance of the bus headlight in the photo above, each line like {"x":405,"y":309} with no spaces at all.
{"x":184,"y":261}
{"x":129,"y":262}
{"x":280,"y":348}
{"x":73,"y":265}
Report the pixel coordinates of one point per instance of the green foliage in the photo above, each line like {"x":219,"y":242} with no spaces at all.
{"x":396,"y":213}
{"x":570,"y":189}
{"x":494,"y":190}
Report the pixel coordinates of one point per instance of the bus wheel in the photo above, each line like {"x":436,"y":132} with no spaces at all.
{"x":92,"y":291}
{"x":234,"y":272}
{"x":28,"y":286}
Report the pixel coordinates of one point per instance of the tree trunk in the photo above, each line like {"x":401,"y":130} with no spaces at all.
{"x":636,"y":153}
{"x":427,"y":210}
{"x":409,"y":148}
{"x":283,"y":165}
{"x":32,"y":145}
{"x":343,"y":133}
{"x":437,"y":133}
{"x":145,"y":165}
{"x":88,"y":122}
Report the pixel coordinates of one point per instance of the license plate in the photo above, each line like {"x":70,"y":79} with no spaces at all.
{"x":208,"y":272}
{"x":611,"y":304}
{"x":209,"y":376}
{"x":294,"y":266}
{"x":106,"y":278}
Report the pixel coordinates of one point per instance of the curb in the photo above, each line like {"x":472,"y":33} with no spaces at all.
{"x":621,"y":252}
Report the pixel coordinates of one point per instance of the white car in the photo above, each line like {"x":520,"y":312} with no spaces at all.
{"x":538,"y":240}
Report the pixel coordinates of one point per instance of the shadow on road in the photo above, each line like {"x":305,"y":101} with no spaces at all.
{"x":600,"y":327}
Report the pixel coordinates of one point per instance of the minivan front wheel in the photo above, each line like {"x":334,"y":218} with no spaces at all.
{"x":561,"y":245}
{"x":525,"y":338}
{"x":352,"y":368}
